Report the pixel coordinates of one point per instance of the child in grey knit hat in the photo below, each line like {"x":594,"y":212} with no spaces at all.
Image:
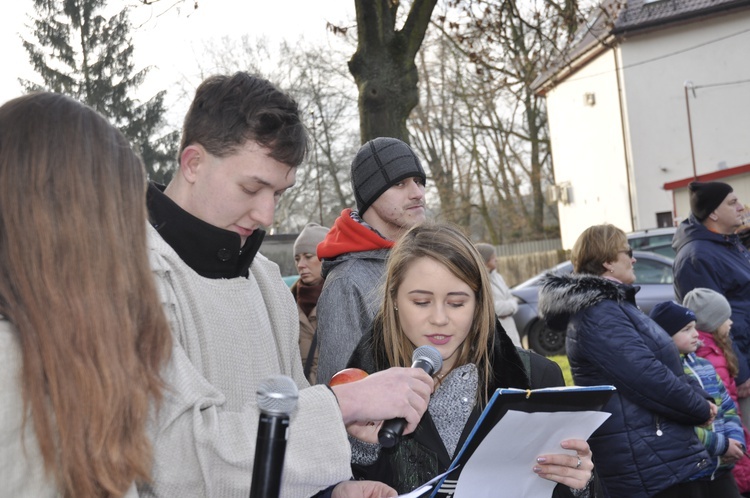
{"x":712,"y":319}
{"x":713,"y":312}
{"x":711,"y":309}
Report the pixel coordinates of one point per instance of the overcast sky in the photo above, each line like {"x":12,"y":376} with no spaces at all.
{"x":173,"y":41}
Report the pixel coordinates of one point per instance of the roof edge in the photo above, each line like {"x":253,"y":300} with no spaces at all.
{"x":708,"y":177}
{"x":545,"y":83}
{"x":683,"y":16}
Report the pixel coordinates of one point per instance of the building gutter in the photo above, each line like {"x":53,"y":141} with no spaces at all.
{"x":542,"y":87}
{"x":625,"y":142}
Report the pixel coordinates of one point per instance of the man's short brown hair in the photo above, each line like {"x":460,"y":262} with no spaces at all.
{"x":228,"y":111}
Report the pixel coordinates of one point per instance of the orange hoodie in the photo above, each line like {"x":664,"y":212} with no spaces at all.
{"x":348,"y":235}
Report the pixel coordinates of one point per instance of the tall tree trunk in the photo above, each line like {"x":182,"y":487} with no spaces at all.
{"x":383,"y":65}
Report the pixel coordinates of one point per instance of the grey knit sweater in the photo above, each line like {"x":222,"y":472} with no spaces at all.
{"x":231,"y":334}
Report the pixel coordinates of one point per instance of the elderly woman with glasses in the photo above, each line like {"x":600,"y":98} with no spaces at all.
{"x":648,"y":447}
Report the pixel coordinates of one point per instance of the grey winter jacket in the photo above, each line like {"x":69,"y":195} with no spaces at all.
{"x":648,"y":444}
{"x":347,"y":305}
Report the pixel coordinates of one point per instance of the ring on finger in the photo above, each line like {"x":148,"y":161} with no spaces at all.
{"x":578,"y":465}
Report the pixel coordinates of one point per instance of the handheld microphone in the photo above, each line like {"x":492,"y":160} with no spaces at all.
{"x":428,"y":359}
{"x":277,"y":398}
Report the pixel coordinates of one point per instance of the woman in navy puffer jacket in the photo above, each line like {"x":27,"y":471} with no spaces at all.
{"x":647,"y":447}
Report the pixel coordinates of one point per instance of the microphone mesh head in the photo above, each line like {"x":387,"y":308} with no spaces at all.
{"x":277,"y":395}
{"x":430,"y":354}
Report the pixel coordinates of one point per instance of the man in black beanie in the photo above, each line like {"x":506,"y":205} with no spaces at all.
{"x":710,"y":255}
{"x":388,"y":183}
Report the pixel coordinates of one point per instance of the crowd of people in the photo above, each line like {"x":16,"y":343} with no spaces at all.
{"x":678,"y":426}
{"x":138,"y":320}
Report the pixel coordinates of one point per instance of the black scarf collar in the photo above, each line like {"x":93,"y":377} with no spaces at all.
{"x":210,"y":251}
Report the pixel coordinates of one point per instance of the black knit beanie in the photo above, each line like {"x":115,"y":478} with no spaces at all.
{"x":380,"y":164}
{"x":705,"y":197}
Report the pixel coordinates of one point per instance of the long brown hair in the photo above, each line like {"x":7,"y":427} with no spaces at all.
{"x":725,"y":344}
{"x":75,"y":283}
{"x":447,"y":245}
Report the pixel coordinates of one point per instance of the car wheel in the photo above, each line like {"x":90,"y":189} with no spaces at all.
{"x":546,"y":341}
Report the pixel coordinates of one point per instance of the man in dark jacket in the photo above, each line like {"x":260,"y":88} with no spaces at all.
{"x":388,"y":183}
{"x":710,"y":254}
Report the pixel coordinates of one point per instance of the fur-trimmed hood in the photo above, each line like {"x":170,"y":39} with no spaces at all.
{"x":563,"y":295}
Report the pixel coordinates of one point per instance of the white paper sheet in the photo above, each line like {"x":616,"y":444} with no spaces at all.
{"x":502,"y":464}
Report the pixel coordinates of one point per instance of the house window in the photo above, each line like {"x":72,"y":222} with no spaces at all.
{"x":664,"y":220}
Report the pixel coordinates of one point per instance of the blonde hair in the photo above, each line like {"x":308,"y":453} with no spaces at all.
{"x":448,"y":246}
{"x":76,"y":285}
{"x":725,"y":344}
{"x":597,"y":245}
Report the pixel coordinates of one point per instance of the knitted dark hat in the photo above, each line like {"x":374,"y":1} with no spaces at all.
{"x":671,"y":317}
{"x":309,"y":238}
{"x":705,"y":197}
{"x":711,"y":308}
{"x":380,"y":164}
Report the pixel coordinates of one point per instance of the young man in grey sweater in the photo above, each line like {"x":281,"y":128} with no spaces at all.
{"x":233,"y":319}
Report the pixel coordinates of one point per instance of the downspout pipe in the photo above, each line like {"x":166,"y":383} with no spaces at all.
{"x":625,"y":147}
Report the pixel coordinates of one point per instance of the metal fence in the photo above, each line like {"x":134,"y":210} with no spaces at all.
{"x":515,"y":262}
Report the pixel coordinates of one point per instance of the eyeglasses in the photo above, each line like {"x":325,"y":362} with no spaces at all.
{"x":629,"y":252}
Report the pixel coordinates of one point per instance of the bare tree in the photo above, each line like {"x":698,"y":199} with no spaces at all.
{"x":384,"y":65}
{"x":511,"y":43}
{"x":436,"y":129}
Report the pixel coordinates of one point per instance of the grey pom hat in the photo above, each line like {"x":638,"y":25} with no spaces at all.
{"x":711,"y":308}
{"x":309,"y":238}
{"x":380,"y":164}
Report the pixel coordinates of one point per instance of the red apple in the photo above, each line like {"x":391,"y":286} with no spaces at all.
{"x":347,"y":375}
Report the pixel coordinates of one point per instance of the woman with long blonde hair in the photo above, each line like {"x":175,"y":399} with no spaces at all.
{"x":82,"y":333}
{"x":438,"y":293}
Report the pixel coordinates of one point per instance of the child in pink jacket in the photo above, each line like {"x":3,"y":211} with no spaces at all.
{"x":712,"y":313}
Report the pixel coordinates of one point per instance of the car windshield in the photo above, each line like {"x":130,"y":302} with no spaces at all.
{"x":649,"y":270}
{"x":660,"y":243}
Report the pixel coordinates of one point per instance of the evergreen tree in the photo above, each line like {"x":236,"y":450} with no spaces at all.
{"x":84,"y":54}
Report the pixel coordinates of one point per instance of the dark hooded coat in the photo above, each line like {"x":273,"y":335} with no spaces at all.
{"x":648,"y":444}
{"x":720,"y":263}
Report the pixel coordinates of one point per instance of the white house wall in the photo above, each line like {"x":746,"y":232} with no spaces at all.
{"x":587,"y":147}
{"x":655,"y":68}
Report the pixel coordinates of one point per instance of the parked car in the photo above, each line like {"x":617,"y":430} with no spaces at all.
{"x":289,"y":281}
{"x":658,"y":240}
{"x":653,"y":274}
